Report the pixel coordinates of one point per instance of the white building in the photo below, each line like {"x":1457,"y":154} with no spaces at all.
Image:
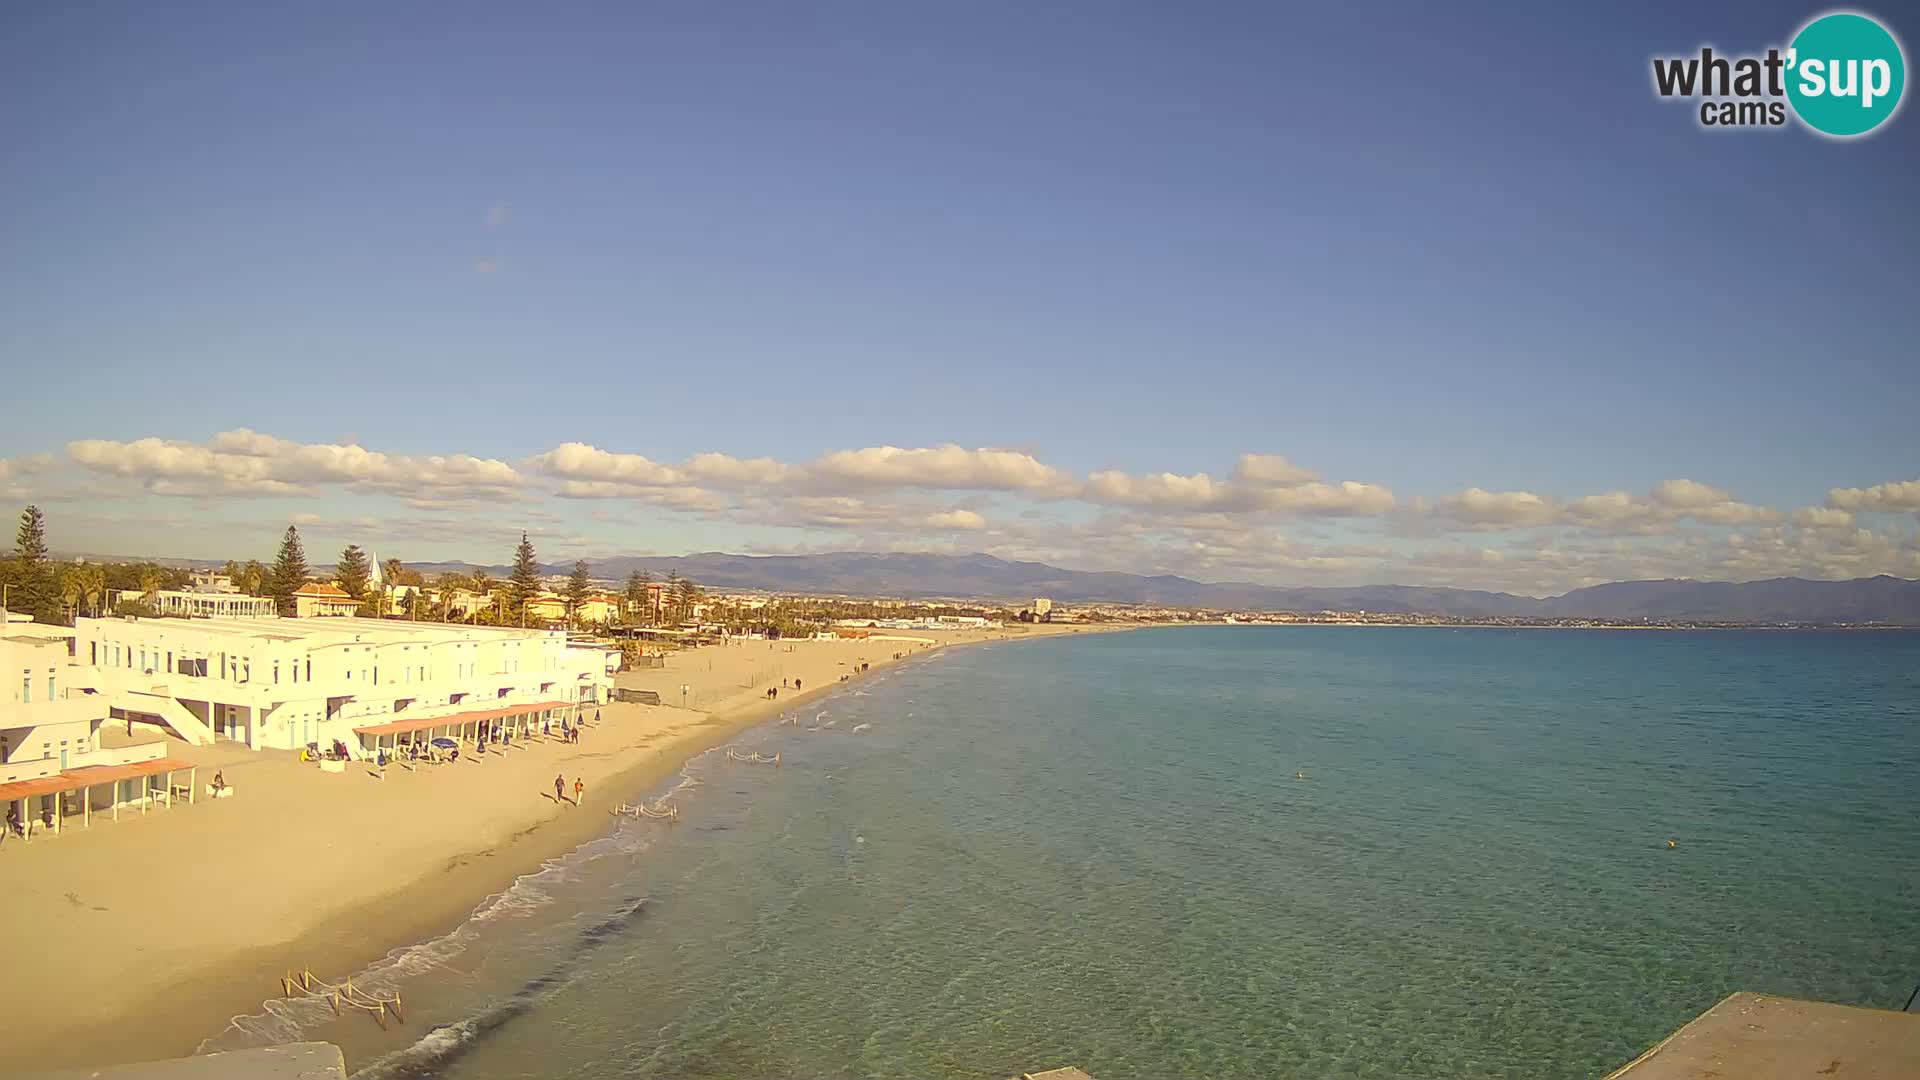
{"x":195,"y":604}
{"x":53,"y":763}
{"x":1042,"y":605}
{"x":286,"y":683}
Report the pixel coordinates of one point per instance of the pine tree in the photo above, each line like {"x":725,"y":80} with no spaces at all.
{"x":670,"y":596}
{"x":354,"y":573}
{"x":289,"y":571}
{"x":38,"y":594}
{"x":688,"y":596}
{"x":524,"y":584}
{"x":579,"y":585}
{"x":636,"y":592}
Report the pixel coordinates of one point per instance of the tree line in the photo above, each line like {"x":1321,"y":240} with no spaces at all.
{"x":58,"y":593}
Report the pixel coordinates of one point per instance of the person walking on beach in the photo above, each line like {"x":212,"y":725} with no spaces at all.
{"x":559,"y":788}
{"x":796,"y":684}
{"x":579,"y":789}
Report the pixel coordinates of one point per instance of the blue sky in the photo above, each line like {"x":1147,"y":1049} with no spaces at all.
{"x":1425,"y":249}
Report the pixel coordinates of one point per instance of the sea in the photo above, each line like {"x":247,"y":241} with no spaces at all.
{"x":1225,"y":852}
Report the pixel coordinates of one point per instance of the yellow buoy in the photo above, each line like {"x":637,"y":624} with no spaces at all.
{"x":1672,"y":844}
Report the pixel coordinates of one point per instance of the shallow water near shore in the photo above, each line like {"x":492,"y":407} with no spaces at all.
{"x":1096,"y":850}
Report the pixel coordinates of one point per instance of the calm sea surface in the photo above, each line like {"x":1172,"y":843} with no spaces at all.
{"x":1096,"y":851}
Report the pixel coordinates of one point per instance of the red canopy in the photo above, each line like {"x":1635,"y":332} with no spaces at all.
{"x":398,"y":727}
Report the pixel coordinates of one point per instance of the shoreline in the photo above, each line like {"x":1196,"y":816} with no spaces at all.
{"x":185,"y":1009}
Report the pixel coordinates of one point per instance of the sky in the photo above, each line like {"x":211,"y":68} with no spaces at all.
{"x":1338,"y":294}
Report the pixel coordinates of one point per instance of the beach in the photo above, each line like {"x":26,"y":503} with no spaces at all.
{"x":150,"y":932}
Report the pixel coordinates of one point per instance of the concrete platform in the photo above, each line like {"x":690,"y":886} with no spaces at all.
{"x":1761,"y":1037}
{"x":292,"y":1061}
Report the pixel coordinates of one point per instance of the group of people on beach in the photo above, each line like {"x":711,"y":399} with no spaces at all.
{"x":560,"y":788}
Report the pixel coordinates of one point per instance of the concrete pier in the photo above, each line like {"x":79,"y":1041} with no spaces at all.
{"x":1762,"y":1037}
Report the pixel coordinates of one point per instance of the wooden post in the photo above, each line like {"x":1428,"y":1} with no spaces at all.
{"x":59,"y":811}
{"x":193,"y":785}
{"x":86,"y":807}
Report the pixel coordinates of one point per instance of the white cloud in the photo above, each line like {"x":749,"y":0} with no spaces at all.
{"x":1893,"y":498}
{"x":947,"y":467}
{"x":1504,"y":508}
{"x":1009,"y":502}
{"x":725,"y":470}
{"x":246,"y":462}
{"x":581,"y":462}
{"x":1615,"y":509}
{"x":21,"y":466}
{"x":956,"y":519}
{"x":1823,"y":517}
{"x":1271,"y":470}
{"x":1260,"y":483}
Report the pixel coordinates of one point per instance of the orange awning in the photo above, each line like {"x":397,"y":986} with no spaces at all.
{"x":75,"y":779}
{"x":399,"y":727}
{"x":39,"y":785}
{"x":107,"y":774}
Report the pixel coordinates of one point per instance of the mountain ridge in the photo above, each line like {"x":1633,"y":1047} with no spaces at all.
{"x":980,"y":576}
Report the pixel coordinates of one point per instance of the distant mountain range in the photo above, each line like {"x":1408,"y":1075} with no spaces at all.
{"x":1878,"y":599}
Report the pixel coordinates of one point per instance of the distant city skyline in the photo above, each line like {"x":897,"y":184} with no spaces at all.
{"x":1106,"y":285}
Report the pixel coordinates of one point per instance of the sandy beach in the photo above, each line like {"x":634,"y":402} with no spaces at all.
{"x":150,"y":933}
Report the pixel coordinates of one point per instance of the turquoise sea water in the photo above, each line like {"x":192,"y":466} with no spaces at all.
{"x":1095,"y":850}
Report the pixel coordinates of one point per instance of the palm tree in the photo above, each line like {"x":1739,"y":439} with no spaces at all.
{"x":151,"y":582}
{"x":448,"y":585}
{"x":391,"y":569}
{"x":93,"y":585}
{"x":73,"y":587}
{"x":251,"y":578}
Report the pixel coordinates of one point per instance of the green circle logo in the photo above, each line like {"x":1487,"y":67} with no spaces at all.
{"x":1845,"y":74}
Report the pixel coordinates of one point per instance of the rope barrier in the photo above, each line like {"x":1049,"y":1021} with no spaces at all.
{"x":659,"y":811}
{"x":752,"y":759}
{"x":336,"y":995}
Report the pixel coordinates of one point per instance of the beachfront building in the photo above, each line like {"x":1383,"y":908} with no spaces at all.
{"x":195,"y":604}
{"x":317,"y":598}
{"x":56,"y":759}
{"x":1041,"y":605}
{"x":289,"y":683}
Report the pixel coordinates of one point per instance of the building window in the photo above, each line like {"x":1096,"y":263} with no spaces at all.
{"x":309,"y":669}
{"x":276,"y":673}
{"x":26,"y":688}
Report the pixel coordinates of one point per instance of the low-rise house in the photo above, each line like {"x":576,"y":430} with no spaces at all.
{"x":317,"y":599}
{"x":599,"y":608}
{"x":546,"y":607}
